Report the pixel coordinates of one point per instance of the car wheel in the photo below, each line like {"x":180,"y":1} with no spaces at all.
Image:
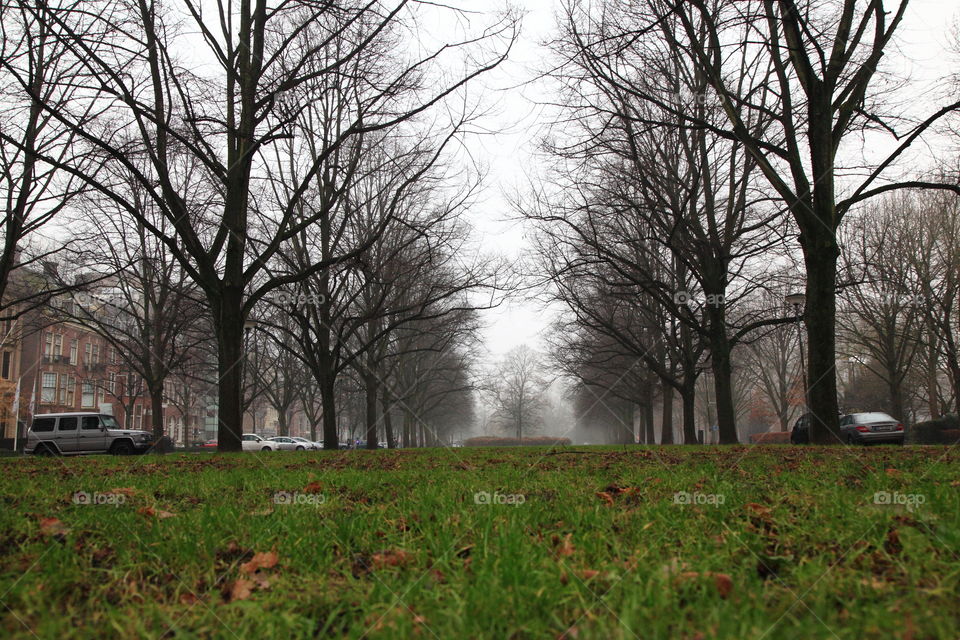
{"x":299,"y":448}
{"x":122,"y":448}
{"x":850,"y":439}
{"x":266,"y":449}
{"x":44,"y":450}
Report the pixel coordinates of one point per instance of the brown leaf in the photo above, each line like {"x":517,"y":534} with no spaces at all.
{"x":563,"y":547}
{"x":893,"y":472}
{"x":758,"y":509}
{"x":239,"y":589}
{"x":263,"y":560}
{"x":53,"y":527}
{"x":313,"y":487}
{"x":606,"y":497}
{"x":188,"y":599}
{"x":721,"y":581}
{"x":152,"y":512}
{"x":391,"y":558}
{"x":588,"y":574}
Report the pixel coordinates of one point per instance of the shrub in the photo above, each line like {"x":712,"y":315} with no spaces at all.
{"x":945,"y":430}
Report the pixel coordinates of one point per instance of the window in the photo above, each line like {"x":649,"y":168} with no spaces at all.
{"x":102,"y":392}
{"x":48,"y":391}
{"x":48,"y":344}
{"x":43,"y":424}
{"x":68,"y":424}
{"x":91,"y":422}
{"x":5,"y":367}
{"x":87,"y":398}
{"x":86,"y":353}
{"x":58,"y":344}
{"x":63,"y":381}
{"x":114,"y":356}
{"x":95,"y":354}
{"x":71,"y":390}
{"x":112,"y":383}
{"x":138,"y":416}
{"x":74,"y":348}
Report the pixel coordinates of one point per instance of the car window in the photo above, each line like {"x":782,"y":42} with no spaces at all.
{"x":67,"y":424}
{"x":249,"y":438}
{"x":109,"y":422}
{"x":873,"y":417}
{"x":43,"y":424}
{"x":90,"y":422}
{"x":845,"y":420}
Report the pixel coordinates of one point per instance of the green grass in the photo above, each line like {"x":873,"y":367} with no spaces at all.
{"x":395,"y":546}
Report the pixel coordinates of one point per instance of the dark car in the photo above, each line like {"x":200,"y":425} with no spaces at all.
{"x":871,"y":427}
{"x":801,"y":430}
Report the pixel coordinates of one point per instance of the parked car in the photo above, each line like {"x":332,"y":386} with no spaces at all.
{"x":286,"y":443}
{"x":81,"y":433}
{"x":871,"y":427}
{"x":209,"y":444}
{"x":253,"y":442}
{"x":307,"y":444}
{"x":801,"y":430}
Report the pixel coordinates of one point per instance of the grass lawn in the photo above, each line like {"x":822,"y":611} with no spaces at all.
{"x":587,"y":542}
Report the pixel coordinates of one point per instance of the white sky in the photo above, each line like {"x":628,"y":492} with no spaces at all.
{"x":924,"y":37}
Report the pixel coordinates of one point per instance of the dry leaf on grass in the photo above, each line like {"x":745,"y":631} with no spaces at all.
{"x":721,"y":581}
{"x":390,"y":558}
{"x":152,"y":512}
{"x":239,"y":589}
{"x":606,"y":497}
{"x":262,"y":560}
{"x":53,"y":527}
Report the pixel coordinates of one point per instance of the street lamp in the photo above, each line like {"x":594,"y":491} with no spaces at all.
{"x":798,"y":301}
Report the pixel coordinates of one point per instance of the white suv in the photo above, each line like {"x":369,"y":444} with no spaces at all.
{"x":76,"y":433}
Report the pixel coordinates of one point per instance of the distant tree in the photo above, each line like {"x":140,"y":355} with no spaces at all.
{"x":517,"y":387}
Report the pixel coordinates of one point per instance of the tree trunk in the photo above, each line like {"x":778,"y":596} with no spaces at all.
{"x":328,"y":399}
{"x":820,"y":256}
{"x":648,"y":420}
{"x":282,"y":423}
{"x":666,"y":424}
{"x":372,"y":391}
{"x":387,"y":420}
{"x":688,"y":398}
{"x":156,"y":412}
{"x":230,"y":367}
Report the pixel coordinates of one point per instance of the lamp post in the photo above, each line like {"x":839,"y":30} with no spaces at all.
{"x":798,"y":301}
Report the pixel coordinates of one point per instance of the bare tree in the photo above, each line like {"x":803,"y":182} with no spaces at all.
{"x":268,"y":62}
{"x":813,"y":76}
{"x":517,"y":387}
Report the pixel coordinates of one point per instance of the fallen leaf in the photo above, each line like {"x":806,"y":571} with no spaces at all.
{"x":263,"y":560}
{"x":53,"y":527}
{"x":758,"y":509}
{"x":563,"y":547}
{"x":721,"y":581}
{"x":152,"y":512}
{"x":313,"y":487}
{"x":125,"y":491}
{"x":240,"y":589}
{"x":588,"y":574}
{"x":188,"y":599}
{"x":606,"y":497}
{"x":391,"y":558}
